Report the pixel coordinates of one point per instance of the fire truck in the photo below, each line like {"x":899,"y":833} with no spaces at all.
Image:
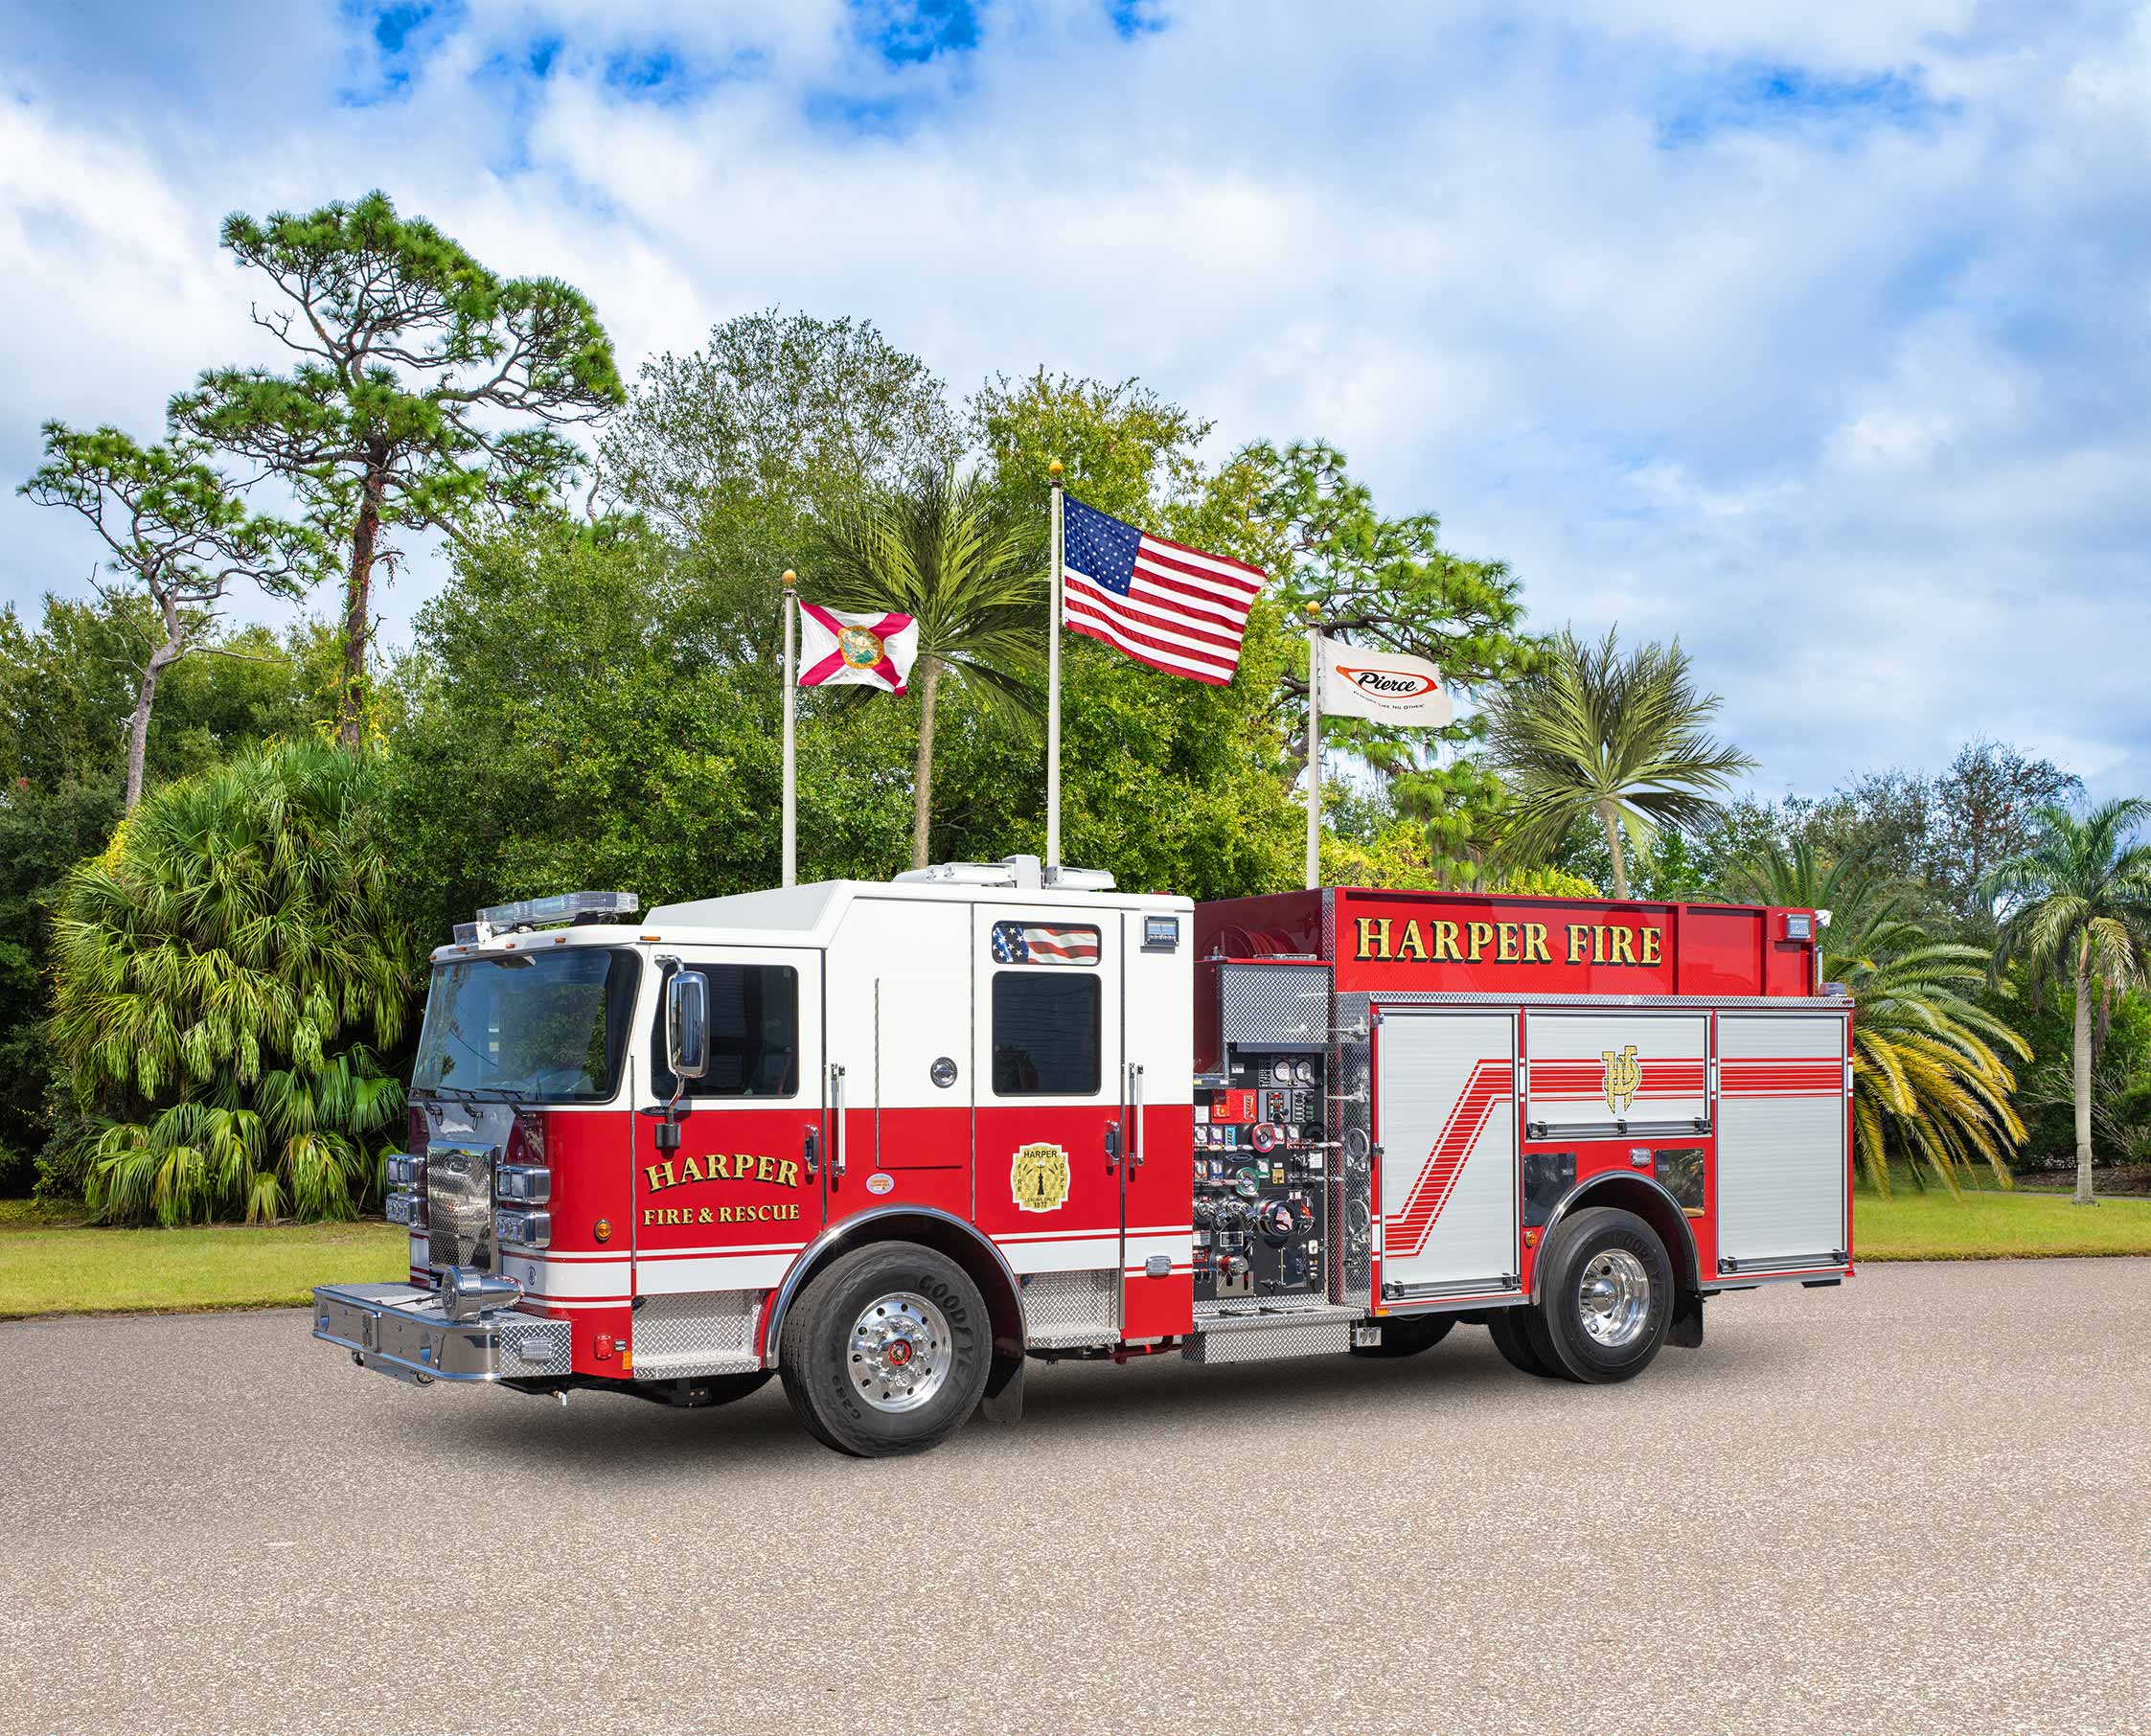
{"x":891,"y":1141}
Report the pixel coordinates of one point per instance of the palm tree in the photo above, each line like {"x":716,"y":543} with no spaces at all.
{"x":2078,"y":907}
{"x":216,"y":970}
{"x":944,"y":552}
{"x":1621,"y":738}
{"x":1927,"y":1077}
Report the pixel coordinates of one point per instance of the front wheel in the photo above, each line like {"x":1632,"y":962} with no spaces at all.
{"x":1605,"y":1296}
{"x":887,"y":1352}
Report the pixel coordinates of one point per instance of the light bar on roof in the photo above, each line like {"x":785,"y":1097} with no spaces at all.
{"x":560,"y":907}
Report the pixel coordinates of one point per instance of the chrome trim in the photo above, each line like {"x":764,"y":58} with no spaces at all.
{"x":402,"y":1331}
{"x":1576,"y":1193}
{"x":466,"y":1292}
{"x":1801,"y":1264}
{"x":1569,"y":1133}
{"x":523,"y":1183}
{"x":1506,"y":1285}
{"x":522,"y":1229}
{"x":406,"y":1169}
{"x":781,"y":1298}
{"x":837,"y":1119}
{"x":1739,"y":1281}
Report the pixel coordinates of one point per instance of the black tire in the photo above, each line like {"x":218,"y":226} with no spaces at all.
{"x":1408,"y":1335}
{"x":849,"y":1401}
{"x":1557,"y":1326}
{"x":1507,"y":1327}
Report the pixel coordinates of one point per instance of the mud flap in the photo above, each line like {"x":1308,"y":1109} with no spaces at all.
{"x":1002,"y":1402}
{"x":1685,"y":1328}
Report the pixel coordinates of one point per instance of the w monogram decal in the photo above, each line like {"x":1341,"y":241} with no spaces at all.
{"x":1623,"y":1074}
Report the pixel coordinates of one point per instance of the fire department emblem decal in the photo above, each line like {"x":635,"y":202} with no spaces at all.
{"x":1039,"y":1178}
{"x":859,"y":647}
{"x":1623,"y":1074}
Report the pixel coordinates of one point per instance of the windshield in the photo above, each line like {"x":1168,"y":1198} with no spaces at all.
{"x":528,"y":1026}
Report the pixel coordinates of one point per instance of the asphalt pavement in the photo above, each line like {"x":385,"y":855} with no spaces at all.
{"x":1918,"y":1503}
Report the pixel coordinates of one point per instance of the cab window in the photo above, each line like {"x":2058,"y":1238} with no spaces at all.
{"x":1045,"y":1035}
{"x":754,"y":1034}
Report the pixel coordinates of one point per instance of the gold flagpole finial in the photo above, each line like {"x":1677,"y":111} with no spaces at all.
{"x":1053,"y":468}
{"x":790,"y":577}
{"x":1314,"y":612}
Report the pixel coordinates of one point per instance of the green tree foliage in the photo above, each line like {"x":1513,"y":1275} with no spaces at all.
{"x":1623,"y":739}
{"x":944,"y":551}
{"x":2078,"y":909}
{"x":173,"y":527}
{"x":66,"y":696}
{"x":733,"y":450}
{"x":575,"y":717}
{"x":225,"y":976}
{"x":428,"y":389}
{"x":1929,"y":1081}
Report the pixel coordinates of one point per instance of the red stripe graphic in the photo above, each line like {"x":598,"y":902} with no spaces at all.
{"x":1406,"y":1232}
{"x":1782,"y":1079}
{"x":1584,"y":1079}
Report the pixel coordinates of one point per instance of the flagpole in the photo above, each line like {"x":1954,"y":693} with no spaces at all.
{"x":1053,"y":685}
{"x":1314,"y":746}
{"x":791,"y":704}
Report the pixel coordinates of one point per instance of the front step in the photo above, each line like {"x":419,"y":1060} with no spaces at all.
{"x":1259,"y":1333}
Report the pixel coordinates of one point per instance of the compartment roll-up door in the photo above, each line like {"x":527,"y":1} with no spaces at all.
{"x":1444,"y":1115}
{"x":1781,"y":1130}
{"x":1607,"y":1072}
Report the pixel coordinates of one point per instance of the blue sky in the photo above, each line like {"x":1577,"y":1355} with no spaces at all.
{"x":1819,"y":336}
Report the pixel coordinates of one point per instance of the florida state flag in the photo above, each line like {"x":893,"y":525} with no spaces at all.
{"x":863,"y":651}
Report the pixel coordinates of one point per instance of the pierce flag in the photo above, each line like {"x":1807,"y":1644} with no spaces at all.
{"x":1387,"y":687}
{"x":838,"y":648}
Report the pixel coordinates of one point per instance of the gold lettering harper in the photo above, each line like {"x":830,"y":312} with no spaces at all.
{"x":1437,"y":940}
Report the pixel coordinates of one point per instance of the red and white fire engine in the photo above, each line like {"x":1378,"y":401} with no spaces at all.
{"x":891,"y":1140}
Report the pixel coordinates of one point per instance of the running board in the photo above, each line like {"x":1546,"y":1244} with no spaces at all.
{"x":1260,"y":1336}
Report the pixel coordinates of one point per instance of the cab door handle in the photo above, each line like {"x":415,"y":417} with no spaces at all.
{"x":810,"y":1149}
{"x":1112,"y":1145}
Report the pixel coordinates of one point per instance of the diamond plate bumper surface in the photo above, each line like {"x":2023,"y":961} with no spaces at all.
{"x":400,"y":1331}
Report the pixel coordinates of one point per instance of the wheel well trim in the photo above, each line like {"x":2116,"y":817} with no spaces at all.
{"x":847,"y":1229}
{"x":1603,"y":1179}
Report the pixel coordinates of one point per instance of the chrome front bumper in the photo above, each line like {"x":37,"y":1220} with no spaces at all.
{"x":403,"y":1331}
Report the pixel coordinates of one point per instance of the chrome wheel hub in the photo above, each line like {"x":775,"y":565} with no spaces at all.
{"x":1616,"y":1297}
{"x":898,"y":1353}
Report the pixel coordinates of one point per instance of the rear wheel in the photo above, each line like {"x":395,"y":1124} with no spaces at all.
{"x":1605,"y":1296}
{"x":1408,"y":1335}
{"x":1507,"y":1327}
{"x":886,"y":1352}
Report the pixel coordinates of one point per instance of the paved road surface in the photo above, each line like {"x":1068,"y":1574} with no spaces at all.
{"x":1919,"y":1503}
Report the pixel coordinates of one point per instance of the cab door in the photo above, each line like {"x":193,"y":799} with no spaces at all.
{"x":1047,"y":1055}
{"x":743,"y":1192}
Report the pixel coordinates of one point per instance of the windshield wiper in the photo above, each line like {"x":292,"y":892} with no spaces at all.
{"x":487,"y":1093}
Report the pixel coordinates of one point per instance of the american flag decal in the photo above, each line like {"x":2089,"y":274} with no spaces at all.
{"x":1041,"y":944}
{"x":1163,"y":603}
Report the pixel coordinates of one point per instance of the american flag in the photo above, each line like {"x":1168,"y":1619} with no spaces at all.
{"x":1164,"y":603}
{"x":1036,"y":943}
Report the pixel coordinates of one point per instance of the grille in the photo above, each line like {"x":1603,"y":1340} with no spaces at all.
{"x":1065,"y":1309}
{"x":1274,"y":1006}
{"x":459,"y":1205}
{"x":698,"y":1333}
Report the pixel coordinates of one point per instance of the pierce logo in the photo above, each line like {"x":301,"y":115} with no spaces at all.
{"x":1389,"y":684}
{"x":1623,"y":1074}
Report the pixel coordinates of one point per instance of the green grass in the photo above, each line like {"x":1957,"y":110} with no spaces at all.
{"x":51,"y":1262}
{"x":1988,"y":1225}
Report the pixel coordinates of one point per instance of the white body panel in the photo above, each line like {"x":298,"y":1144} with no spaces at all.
{"x":1781,"y":1133}
{"x":1572,"y":1081}
{"x":1445,"y":1084}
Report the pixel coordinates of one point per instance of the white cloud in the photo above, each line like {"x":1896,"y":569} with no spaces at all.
{"x":1814,"y":335}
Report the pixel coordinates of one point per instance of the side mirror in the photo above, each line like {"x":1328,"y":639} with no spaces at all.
{"x":687,"y":1027}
